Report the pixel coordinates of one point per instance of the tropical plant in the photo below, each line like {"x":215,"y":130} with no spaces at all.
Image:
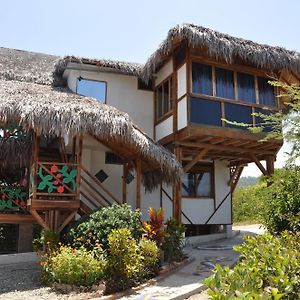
{"x":154,"y":228}
{"x":124,"y":260}
{"x":96,"y":228}
{"x":73,"y":266}
{"x":282,"y":201}
{"x":173,"y":241}
{"x":268,"y":269}
{"x":150,"y":254}
{"x":48,"y":240}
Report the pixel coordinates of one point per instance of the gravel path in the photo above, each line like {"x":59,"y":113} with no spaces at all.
{"x":22,"y":282}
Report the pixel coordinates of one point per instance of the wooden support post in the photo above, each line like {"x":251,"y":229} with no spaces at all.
{"x":79,"y":161}
{"x":177,"y":190}
{"x":124,"y":183}
{"x":67,"y":220}
{"x":259,"y":165}
{"x":35,"y":158}
{"x":270,"y":165}
{"x":138,"y":182}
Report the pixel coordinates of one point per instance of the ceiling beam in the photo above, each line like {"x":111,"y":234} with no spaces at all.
{"x":199,"y":156}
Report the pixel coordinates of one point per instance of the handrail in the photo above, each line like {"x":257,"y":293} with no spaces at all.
{"x":57,"y":163}
{"x":95,"y":190}
{"x":100,"y":184}
{"x":218,"y":207}
{"x":168,"y":196}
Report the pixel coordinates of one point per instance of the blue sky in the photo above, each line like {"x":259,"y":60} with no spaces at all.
{"x":131,"y":30}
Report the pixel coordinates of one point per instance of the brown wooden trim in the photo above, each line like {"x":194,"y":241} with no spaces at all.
{"x":17,"y":219}
{"x":100,"y":184}
{"x":177,"y":190}
{"x":164,"y":117}
{"x":46,"y":204}
{"x":124,"y":183}
{"x":258,"y":163}
{"x":199,"y":156}
{"x":39,"y":219}
{"x":67,"y":220}
{"x":239,"y":102}
{"x":138,"y":182}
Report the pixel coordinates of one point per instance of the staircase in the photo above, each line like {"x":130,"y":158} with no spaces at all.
{"x":93,"y":194}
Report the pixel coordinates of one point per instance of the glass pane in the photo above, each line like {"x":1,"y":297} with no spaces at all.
{"x":166,"y":97}
{"x":92,"y":88}
{"x":246,"y":87}
{"x":224,"y":83}
{"x":238,"y":113}
{"x":206,"y":112}
{"x":188,"y":185}
{"x":171,"y":93}
{"x":259,"y":120}
{"x":159,"y":102}
{"x":203,"y":184}
{"x":266,"y":92}
{"x":201,"y":79}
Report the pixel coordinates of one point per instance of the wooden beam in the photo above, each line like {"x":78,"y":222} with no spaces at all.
{"x":124,"y":183}
{"x":67,"y":221}
{"x":17,"y":219}
{"x":199,"y":156}
{"x":224,"y":148}
{"x":39,"y":219}
{"x":177,"y":190}
{"x":258,"y":163}
{"x":43,"y":204}
{"x":138,"y":169}
{"x":270,"y":165}
{"x":237,"y":177}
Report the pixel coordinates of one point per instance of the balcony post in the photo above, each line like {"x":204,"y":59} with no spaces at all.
{"x":177,"y":190}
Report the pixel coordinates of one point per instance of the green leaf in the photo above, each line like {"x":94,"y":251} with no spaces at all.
{"x":42,"y":185}
{"x":50,"y":189}
{"x":48,"y":177}
{"x":73,"y":173}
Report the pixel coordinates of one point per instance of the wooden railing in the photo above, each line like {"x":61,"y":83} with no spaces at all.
{"x":13,"y":198}
{"x":94,"y":194}
{"x":53,"y":179}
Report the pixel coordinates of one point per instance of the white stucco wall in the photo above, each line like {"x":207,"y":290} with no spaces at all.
{"x":122,"y":93}
{"x":181,"y":81}
{"x":198,"y":210}
{"x":164,"y":128}
{"x":164,"y":72}
{"x":182,"y":113}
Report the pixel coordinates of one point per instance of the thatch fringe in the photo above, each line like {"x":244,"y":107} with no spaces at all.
{"x":119,"y":67}
{"x":223,"y":46}
{"x":58,"y":111}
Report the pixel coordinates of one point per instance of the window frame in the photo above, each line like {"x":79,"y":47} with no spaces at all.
{"x":235,"y":69}
{"x":95,"y":80}
{"x":171,"y":99}
{"x":207,"y":168}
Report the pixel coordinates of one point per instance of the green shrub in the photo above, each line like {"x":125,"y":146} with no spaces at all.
{"x":269,"y":269}
{"x":99,"y":225}
{"x":150,"y":257}
{"x":248,"y":203}
{"x":173,"y":242}
{"x":282,"y":203}
{"x":48,"y":240}
{"x":124,"y":260}
{"x":73,"y":266}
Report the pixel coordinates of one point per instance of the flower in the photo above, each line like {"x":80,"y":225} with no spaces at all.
{"x":60,"y":189}
{"x":58,"y":175}
{"x":54,"y":169}
{"x":55,"y":182}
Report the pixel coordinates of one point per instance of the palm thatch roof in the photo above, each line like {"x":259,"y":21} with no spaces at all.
{"x":223,"y":46}
{"x":58,"y":111}
{"x":119,"y":67}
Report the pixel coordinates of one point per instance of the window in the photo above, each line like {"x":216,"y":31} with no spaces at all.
{"x":92,"y":88}
{"x":202,"y":79}
{"x":164,"y":98}
{"x":246,"y":87}
{"x":199,"y":182}
{"x":266,"y":92}
{"x":238,"y":113}
{"x":224,"y":83}
{"x":207,"y":112}
{"x":113,"y":159}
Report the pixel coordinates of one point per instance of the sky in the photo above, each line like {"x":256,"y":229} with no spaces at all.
{"x":132,"y":30}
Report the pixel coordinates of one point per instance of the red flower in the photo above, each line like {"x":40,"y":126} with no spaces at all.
{"x":55,"y":182}
{"x":60,"y":189}
{"x":22,"y":203}
{"x":54,"y":169}
{"x":58,"y":175}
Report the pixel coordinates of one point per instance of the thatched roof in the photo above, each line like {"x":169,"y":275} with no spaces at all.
{"x":27,"y":66}
{"x":223,"y":46}
{"x":58,"y":111}
{"x":119,"y":67}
